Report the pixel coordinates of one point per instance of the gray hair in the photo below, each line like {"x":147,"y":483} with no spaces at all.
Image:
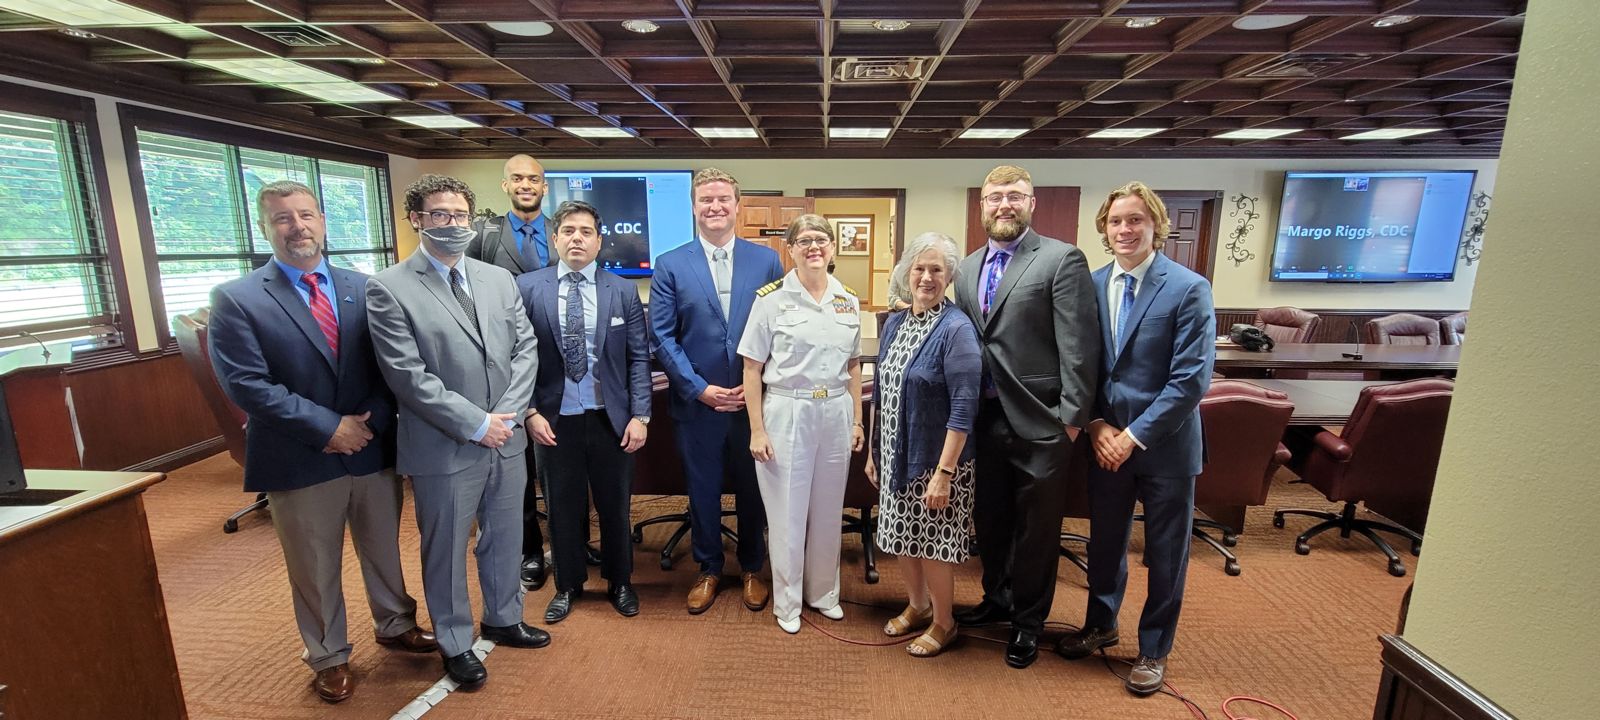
{"x":281,"y":188}
{"x":900,"y":279}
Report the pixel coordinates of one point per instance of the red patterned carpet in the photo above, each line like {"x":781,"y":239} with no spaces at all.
{"x":1300,"y":631}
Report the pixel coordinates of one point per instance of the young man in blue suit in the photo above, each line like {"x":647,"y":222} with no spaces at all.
{"x":291,"y":348}
{"x":591,"y":405}
{"x":700,"y":298}
{"x":1158,"y":330}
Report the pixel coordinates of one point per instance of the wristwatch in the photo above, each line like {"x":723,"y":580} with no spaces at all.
{"x":643,"y":419}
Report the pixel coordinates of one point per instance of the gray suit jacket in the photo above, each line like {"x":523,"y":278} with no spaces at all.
{"x":445,"y":373}
{"x":1041,"y":339}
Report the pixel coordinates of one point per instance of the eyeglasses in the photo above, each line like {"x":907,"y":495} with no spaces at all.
{"x":994,"y":199}
{"x":441,"y":217}
{"x":811,"y":242}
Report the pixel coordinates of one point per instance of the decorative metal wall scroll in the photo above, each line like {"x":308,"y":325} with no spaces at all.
{"x":1472,"y":236}
{"x":1244,"y":208}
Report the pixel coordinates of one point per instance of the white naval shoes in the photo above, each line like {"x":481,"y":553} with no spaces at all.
{"x":833,"y":613}
{"x":790,"y":626}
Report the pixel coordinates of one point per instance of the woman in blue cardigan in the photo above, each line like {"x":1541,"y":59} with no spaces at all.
{"x":927,"y":396}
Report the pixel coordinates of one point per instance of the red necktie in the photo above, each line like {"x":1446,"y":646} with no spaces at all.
{"x":322,"y":310}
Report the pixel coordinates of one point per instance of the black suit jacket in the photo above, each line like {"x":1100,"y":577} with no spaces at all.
{"x":496,"y":244}
{"x":622,"y":347}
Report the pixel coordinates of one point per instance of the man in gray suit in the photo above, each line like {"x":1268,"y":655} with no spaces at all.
{"x":1033,"y":301}
{"x":454,"y":344}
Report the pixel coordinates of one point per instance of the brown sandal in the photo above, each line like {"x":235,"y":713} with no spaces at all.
{"x":908,"y":621}
{"x":933,"y":642}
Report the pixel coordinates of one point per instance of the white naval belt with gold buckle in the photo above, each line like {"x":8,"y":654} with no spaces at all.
{"x":816,"y":393}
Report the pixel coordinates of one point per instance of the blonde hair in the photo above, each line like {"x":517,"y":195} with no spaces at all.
{"x":706,"y":176}
{"x":1007,"y":174}
{"x":808,"y":221}
{"x":1158,"y":212}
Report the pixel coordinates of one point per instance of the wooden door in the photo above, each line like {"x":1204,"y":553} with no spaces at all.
{"x":764,"y":219}
{"x":1194,"y":228}
{"x":1055,"y":214}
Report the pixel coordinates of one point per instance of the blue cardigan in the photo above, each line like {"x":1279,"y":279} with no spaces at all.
{"x":939,"y":393}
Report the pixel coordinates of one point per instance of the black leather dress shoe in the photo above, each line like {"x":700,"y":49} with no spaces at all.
{"x":984,"y":613}
{"x":624,"y":599}
{"x":561,"y":605}
{"x":520,"y":635}
{"x":1023,"y":649}
{"x":466,"y":669}
{"x":591,"y":555}
{"x":1085,"y":642}
{"x":533,"y":572}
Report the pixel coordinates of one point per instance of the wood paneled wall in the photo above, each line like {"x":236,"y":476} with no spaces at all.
{"x":1335,"y":326}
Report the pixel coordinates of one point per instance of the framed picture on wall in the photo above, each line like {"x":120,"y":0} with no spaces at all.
{"x":853,"y":233}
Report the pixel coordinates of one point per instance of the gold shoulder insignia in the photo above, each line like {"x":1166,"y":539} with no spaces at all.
{"x":850,"y":290}
{"x":769,"y":287}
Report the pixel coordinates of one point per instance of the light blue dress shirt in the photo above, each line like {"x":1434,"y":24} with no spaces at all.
{"x":326,"y":283}
{"x":583,"y":395}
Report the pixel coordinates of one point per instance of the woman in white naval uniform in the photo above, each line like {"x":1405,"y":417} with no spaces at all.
{"x":803,"y":343}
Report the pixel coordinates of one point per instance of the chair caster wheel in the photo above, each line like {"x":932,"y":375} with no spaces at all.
{"x":1230,"y":540}
{"x":638,"y":537}
{"x":1397,"y":569}
{"x":1416,"y":549}
{"x":666,"y":563}
{"x":1301,"y":548}
{"x":872,"y":577}
{"x":1232,"y":569}
{"x":1277,"y":521}
{"x":230,"y":526}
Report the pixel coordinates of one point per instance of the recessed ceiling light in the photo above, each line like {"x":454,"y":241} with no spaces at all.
{"x":80,"y":34}
{"x":858,"y":133}
{"x":368,"y":61}
{"x":86,"y":12}
{"x":1393,"y":20}
{"x":1266,"y":22}
{"x":890,"y":25}
{"x":1140,"y":23}
{"x":339,"y":92}
{"x":436,"y":122}
{"x":1389,"y":134}
{"x":1255,"y":134}
{"x":524,"y":29}
{"x":640,"y":26}
{"x":725,"y":132}
{"x":597,"y":132}
{"x":1123,"y":133}
{"x":991,"y":133}
{"x":271,"y":71}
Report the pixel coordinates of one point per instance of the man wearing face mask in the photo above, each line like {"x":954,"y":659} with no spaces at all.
{"x":455,"y":346}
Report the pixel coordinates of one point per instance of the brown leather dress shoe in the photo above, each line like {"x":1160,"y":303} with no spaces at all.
{"x":415,"y":640}
{"x":335,"y":684}
{"x":703,"y":594}
{"x":755,"y":592}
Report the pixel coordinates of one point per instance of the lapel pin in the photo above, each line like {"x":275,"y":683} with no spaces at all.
{"x":347,"y":299}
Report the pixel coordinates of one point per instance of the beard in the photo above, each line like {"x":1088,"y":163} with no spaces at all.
{"x":303,"y":250}
{"x":1007,"y":230}
{"x":531,"y":208}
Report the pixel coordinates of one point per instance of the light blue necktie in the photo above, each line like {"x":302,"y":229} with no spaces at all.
{"x":1128,"y":286}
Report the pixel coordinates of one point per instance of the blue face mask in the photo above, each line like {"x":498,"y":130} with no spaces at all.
{"x":449,"y":240}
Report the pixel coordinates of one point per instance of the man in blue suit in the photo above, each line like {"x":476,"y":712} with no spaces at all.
{"x":700,"y":298}
{"x":291,"y":348}
{"x":1158,"y":330}
{"x":591,"y":405}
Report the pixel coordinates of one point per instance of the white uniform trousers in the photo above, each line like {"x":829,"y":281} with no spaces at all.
{"x":803,"y":490}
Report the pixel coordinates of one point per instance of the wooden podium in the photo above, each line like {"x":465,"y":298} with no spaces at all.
{"x":83,"y":621}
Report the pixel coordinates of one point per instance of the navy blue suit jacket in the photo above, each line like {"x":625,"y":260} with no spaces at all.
{"x":1152,"y":385}
{"x":694,"y":343}
{"x":621,"y":341}
{"x":274,"y":363}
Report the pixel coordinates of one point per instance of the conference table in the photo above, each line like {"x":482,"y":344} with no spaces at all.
{"x":1384,"y":360}
{"x":1319,"y":402}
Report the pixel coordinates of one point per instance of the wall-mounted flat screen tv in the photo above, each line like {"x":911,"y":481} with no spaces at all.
{"x":642,"y":214}
{"x":1371,"y":226}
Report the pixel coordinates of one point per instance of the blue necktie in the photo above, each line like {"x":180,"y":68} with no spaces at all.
{"x":534,"y":254}
{"x":1128,"y":286}
{"x":574,"y":352}
{"x":997,"y":268}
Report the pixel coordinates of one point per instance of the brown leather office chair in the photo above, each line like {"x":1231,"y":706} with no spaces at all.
{"x":190,"y":332}
{"x":658,"y":470}
{"x":861,"y":496}
{"x":1387,"y":455}
{"x":1403,"y":329}
{"x":1453,"y":328}
{"x":1243,"y":423}
{"x":1287,"y":324}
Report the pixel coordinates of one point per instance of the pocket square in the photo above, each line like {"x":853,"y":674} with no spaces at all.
{"x":616,"y":321}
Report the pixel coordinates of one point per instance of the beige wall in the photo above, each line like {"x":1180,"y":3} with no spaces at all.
{"x":856,"y":270}
{"x":1508,"y":588}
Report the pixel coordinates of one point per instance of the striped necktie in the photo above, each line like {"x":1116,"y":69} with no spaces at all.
{"x":322,"y":311}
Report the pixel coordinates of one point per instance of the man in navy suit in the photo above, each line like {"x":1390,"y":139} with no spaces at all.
{"x":700,"y":298}
{"x":1158,"y":330}
{"x":591,"y":405}
{"x":291,"y":348}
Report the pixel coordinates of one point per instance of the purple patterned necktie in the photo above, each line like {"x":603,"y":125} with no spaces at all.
{"x":997,"y":268}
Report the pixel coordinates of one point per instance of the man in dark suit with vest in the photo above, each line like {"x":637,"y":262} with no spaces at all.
{"x":1032,"y":300}
{"x":519,"y":242}
{"x":591,"y":405}
{"x":700,"y":299}
{"x":1157,"y":329}
{"x":291,"y":348}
